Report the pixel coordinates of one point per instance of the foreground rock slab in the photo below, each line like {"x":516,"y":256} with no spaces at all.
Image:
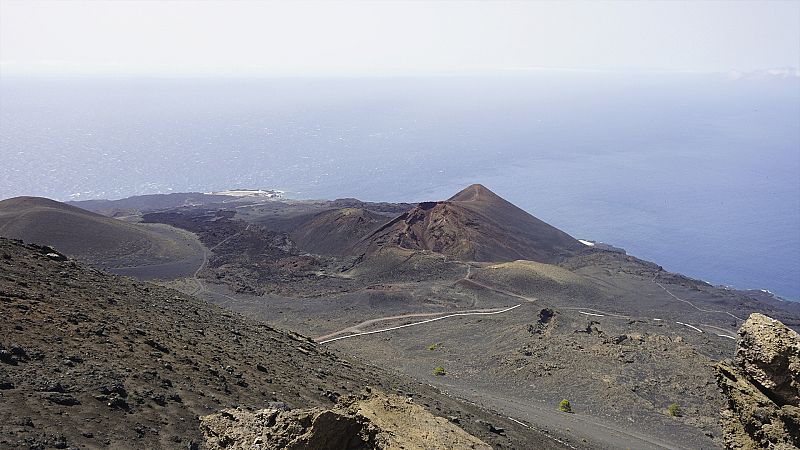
{"x":368,"y":421}
{"x":762,"y":387}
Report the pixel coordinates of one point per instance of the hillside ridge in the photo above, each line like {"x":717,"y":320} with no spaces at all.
{"x":475,"y":224}
{"x":90,"y":359}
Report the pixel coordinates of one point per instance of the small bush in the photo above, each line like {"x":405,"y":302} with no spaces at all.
{"x":565,"y":406}
{"x":674,"y":410}
{"x":439,"y":371}
{"x":433,"y":347}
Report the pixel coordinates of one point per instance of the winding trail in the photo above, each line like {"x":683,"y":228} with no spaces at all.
{"x":595,"y":312}
{"x":520,"y":412}
{"x":727,"y":333}
{"x":199,"y":286}
{"x":363,"y":333}
{"x":357,"y":328}
{"x":598,"y":312}
{"x":606,"y":433}
{"x":585,"y":425}
{"x":469,"y":280}
{"x":584,"y":310}
{"x":690,"y":303}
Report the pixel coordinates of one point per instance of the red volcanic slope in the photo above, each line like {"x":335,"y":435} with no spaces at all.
{"x":475,"y":225}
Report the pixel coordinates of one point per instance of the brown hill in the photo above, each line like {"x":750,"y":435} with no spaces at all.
{"x":475,"y":225}
{"x":336,"y":231}
{"x":89,"y":236}
{"x":92,"y":360}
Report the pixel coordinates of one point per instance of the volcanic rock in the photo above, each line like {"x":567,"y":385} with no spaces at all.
{"x":368,"y":421}
{"x":762,"y":387}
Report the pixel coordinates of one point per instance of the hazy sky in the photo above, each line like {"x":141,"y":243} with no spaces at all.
{"x":348,"y":37}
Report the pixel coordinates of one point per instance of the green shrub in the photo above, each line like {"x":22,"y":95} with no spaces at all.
{"x":565,"y":406}
{"x":439,"y":371}
{"x":433,"y":347}
{"x":674,"y":410}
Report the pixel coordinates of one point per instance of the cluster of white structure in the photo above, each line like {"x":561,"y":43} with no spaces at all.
{"x":271,"y":193}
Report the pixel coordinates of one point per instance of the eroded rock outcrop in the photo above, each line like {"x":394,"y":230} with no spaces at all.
{"x":369,"y":421}
{"x":763,"y":387}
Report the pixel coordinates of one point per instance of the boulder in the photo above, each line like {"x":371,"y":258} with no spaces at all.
{"x":369,"y":421}
{"x":769,"y":353}
{"x":761,"y":386}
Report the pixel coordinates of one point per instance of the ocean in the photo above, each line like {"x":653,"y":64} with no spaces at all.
{"x":699,"y":173}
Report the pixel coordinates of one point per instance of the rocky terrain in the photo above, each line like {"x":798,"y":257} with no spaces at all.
{"x":368,"y":421}
{"x":251,"y":259}
{"x":89,"y":359}
{"x":470,"y":295}
{"x":762,"y":386}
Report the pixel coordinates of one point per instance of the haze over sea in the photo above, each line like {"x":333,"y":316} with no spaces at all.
{"x":696,"y":172}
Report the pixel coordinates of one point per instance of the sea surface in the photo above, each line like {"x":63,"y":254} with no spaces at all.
{"x":699,"y":173}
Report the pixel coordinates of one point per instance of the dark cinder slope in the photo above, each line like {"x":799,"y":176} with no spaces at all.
{"x":92,"y":360}
{"x":475,"y":225}
{"x":88,"y":236}
{"x":150,"y":202}
{"x":337,"y":231}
